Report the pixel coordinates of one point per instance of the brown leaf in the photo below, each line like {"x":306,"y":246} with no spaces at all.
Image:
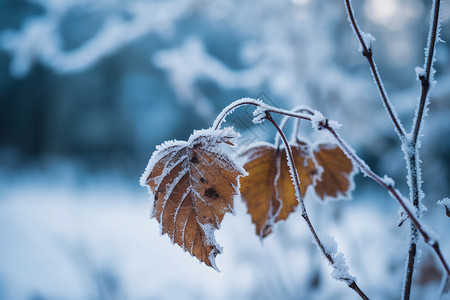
{"x":268,"y":190}
{"x":193,"y":184}
{"x":337,"y":172}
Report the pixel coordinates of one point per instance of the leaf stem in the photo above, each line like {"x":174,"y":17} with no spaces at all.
{"x":296,"y":182}
{"x":368,"y":54}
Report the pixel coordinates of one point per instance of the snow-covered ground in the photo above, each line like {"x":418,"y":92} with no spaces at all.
{"x":62,"y":240}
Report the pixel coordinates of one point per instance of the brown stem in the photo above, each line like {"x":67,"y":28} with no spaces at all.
{"x":368,"y":54}
{"x":296,"y":182}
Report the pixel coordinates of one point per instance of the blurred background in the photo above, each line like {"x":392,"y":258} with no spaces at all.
{"x":89,"y":88}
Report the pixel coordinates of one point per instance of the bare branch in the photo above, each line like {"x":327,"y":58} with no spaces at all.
{"x":368,"y":54}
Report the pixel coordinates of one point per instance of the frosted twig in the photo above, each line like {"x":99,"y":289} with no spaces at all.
{"x":368,"y":54}
{"x":425,"y":75}
{"x":262,"y":109}
{"x":339,"y":272}
{"x":428,"y":236}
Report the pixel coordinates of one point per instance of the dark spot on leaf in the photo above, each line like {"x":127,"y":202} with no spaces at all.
{"x":194,"y":159}
{"x":211,"y":193}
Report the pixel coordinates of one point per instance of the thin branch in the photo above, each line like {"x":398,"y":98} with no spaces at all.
{"x":296,"y":182}
{"x":368,"y":54}
{"x":428,"y":68}
{"x":404,"y":203}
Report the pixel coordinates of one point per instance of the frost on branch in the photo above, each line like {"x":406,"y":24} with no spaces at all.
{"x":368,"y":41}
{"x":260,"y":113}
{"x":193,"y":184}
{"x":340,"y":268}
{"x":318,"y":121}
{"x":446,"y":204}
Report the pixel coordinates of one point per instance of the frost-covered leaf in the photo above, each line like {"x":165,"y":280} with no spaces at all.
{"x":193,"y":184}
{"x":268,"y":190}
{"x":338,"y":170}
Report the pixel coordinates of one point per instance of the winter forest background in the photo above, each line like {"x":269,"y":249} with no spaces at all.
{"x":88,"y":88}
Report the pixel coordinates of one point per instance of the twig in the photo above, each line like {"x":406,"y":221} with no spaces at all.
{"x":296,"y":182}
{"x":368,"y":54}
{"x":405,"y":204}
{"x":411,"y":150}
{"x":428,"y":66}
{"x":429,"y":239}
{"x":409,"y":146}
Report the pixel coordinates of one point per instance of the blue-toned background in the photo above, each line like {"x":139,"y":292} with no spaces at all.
{"x":89,"y":88}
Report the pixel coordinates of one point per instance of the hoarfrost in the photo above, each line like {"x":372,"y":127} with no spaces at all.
{"x":260,"y":113}
{"x":444,"y":202}
{"x":173,"y":154}
{"x":317,"y":119}
{"x":388,"y":181}
{"x":232,"y":106}
{"x":420,"y":72}
{"x":340,"y":268}
{"x":368,"y":41}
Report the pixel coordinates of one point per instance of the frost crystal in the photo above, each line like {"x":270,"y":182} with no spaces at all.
{"x":388,"y":181}
{"x":340,"y":268}
{"x":420,"y":72}
{"x":260,"y":113}
{"x":444,"y":202}
{"x":317,"y":119}
{"x":368,"y":41}
{"x":232,"y":106}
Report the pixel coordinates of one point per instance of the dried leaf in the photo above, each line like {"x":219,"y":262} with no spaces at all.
{"x":193,"y":184}
{"x":337,"y":172}
{"x":268,"y":190}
